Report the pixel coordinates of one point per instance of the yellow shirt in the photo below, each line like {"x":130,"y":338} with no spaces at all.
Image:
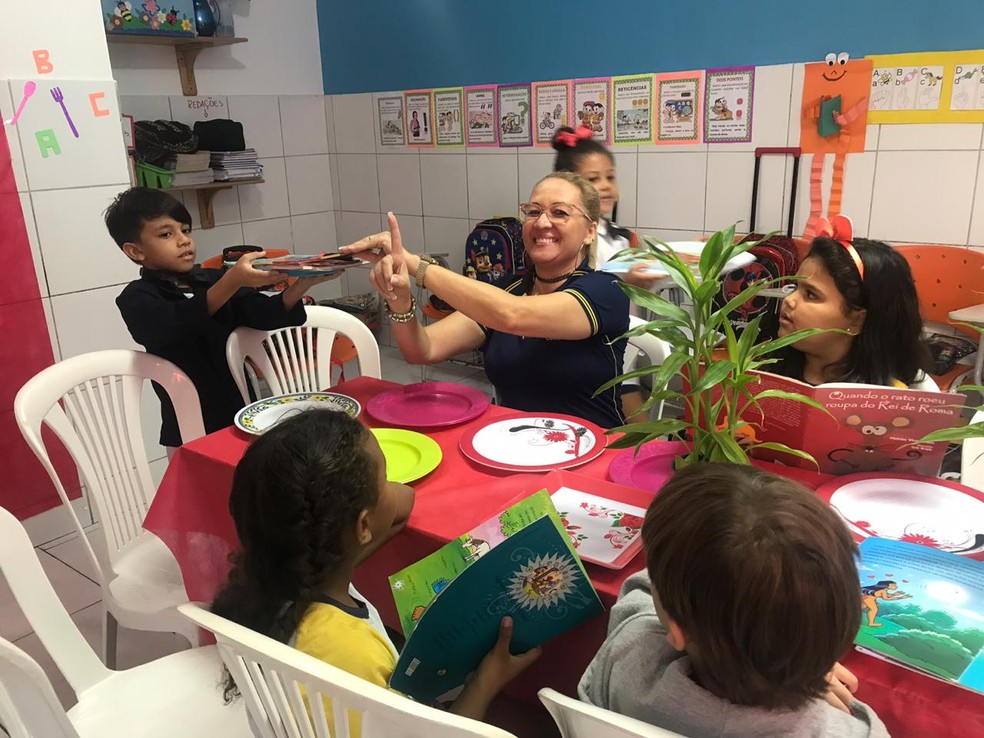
{"x":346,"y":638}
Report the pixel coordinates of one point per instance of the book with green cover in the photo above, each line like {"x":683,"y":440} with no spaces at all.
{"x":520,"y":563}
{"x":923,"y":608}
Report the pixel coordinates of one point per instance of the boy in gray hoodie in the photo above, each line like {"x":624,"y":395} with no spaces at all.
{"x":751,"y":594}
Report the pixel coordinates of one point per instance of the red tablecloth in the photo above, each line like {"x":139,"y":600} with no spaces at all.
{"x":190,"y":514}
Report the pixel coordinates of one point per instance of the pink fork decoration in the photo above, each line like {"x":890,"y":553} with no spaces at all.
{"x":58,"y":97}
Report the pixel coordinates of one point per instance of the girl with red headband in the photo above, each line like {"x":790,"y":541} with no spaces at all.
{"x":865,"y":289}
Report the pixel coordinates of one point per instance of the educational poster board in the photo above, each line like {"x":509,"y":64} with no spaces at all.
{"x":389,"y":110}
{"x":728,"y":104}
{"x":449,"y":113}
{"x":480,"y":116}
{"x":679,"y":108}
{"x":932,"y":87}
{"x":591,"y":106}
{"x":419,"y":121}
{"x":632,"y":106}
{"x":515,"y":126}
{"x":551,"y":110}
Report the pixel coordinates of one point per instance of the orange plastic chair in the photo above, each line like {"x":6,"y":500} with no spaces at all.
{"x":947,"y":278}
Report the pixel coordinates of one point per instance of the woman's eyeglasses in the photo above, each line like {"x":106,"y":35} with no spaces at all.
{"x":557,"y":214}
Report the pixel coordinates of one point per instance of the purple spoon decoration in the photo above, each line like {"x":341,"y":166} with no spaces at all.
{"x":58,"y":97}
{"x":29,"y":89}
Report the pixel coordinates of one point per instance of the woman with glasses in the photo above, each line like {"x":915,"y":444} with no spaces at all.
{"x":549,"y":338}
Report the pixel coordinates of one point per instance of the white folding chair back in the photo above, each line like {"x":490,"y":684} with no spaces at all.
{"x":298,"y":359}
{"x":270,"y":676}
{"x":92,"y":404}
{"x":172,"y":696}
{"x":655,"y":349}
{"x":578,"y":719}
{"x":29,"y":706}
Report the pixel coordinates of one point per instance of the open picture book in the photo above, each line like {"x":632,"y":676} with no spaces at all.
{"x":923,"y":609}
{"x":520,"y":563}
{"x":866,"y":428}
{"x":294,"y":265}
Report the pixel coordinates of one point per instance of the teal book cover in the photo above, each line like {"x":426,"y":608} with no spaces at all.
{"x":534,"y":576}
{"x":923,"y":608}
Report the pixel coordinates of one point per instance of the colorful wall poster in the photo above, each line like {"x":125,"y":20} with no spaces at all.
{"x":678,"y":108}
{"x":480,"y":116}
{"x":515,"y":121}
{"x":632,"y":103}
{"x":419,"y":117}
{"x":551,"y":110}
{"x":448,"y":109}
{"x":390,"y":113}
{"x":933,"y":87}
{"x":591,"y":105}
{"x":835,"y":100}
{"x":728,"y":104}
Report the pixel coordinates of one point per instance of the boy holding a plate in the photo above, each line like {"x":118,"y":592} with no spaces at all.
{"x":183,"y":313}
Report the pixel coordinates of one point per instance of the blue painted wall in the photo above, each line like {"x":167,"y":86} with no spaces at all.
{"x":376,"y":45}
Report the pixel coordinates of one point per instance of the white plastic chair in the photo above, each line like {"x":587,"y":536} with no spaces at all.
{"x":972,"y":459}
{"x":172,"y":696}
{"x":655,"y":349}
{"x":578,"y":719}
{"x":270,"y":675}
{"x":92,"y":403}
{"x":298,"y":359}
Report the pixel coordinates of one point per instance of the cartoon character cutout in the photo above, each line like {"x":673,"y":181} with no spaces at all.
{"x":834,"y":121}
{"x":886,"y":590}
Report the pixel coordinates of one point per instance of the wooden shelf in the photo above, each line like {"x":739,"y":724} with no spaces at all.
{"x":186,"y":50}
{"x":206,"y":192}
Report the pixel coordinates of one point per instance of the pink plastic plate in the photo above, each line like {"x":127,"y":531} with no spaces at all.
{"x":428,"y":405}
{"x":648,"y":469}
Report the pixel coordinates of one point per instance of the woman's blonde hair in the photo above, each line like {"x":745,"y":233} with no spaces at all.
{"x":590,"y":199}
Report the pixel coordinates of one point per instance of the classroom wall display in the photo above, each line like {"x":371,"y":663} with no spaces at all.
{"x":481,"y":116}
{"x":449,"y":112}
{"x":390,"y":113}
{"x":515,"y":127}
{"x":679,"y":108}
{"x":728,"y":104}
{"x":937,"y":87}
{"x":551,"y":110}
{"x":591,"y":106}
{"x":632,"y":109}
{"x":419,"y":117}
{"x":150,"y":17}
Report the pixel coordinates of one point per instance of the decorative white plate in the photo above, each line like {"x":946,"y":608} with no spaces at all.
{"x":533,"y":442}
{"x":264,"y":414}
{"x":603,"y":531}
{"x":931,"y":512}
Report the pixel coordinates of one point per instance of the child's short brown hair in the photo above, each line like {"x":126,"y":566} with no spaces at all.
{"x":760,"y":575}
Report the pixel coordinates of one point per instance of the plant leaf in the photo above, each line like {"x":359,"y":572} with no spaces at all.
{"x":730,"y":448}
{"x":793,"y":396}
{"x":712,"y":376}
{"x":973,"y":430}
{"x":769,"y":445}
{"x":775,"y":344}
{"x":655,"y":303}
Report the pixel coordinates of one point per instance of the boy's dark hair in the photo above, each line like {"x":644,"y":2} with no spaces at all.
{"x":889,"y":346}
{"x":296,"y":495}
{"x":760,"y":575}
{"x":569,"y":157}
{"x":125,"y":218}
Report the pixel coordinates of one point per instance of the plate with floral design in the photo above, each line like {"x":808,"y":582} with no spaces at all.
{"x":932,"y":512}
{"x":533,"y":442}
{"x":603,"y":531}
{"x":262,"y":415}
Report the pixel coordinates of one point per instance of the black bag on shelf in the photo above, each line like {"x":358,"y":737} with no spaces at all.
{"x":157,"y":141}
{"x":220,"y":134}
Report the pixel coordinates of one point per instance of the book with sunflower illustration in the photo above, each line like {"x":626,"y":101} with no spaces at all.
{"x":520,"y":563}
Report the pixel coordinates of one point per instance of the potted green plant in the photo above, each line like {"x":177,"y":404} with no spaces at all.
{"x":719,"y":395}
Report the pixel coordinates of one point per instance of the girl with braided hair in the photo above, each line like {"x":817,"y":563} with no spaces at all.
{"x":310,"y":501}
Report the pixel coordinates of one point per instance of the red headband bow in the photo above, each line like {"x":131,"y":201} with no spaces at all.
{"x":570,"y":138}
{"x":841,"y":229}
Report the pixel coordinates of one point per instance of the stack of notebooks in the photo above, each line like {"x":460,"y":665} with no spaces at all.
{"x":230,"y":165}
{"x":192,"y":169}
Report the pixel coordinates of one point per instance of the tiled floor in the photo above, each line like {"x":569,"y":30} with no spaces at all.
{"x":72,"y":575}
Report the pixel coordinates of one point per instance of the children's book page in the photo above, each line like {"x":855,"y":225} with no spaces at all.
{"x":924,"y":609}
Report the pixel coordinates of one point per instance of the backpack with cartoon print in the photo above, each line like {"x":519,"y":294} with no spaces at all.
{"x":494,"y":249}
